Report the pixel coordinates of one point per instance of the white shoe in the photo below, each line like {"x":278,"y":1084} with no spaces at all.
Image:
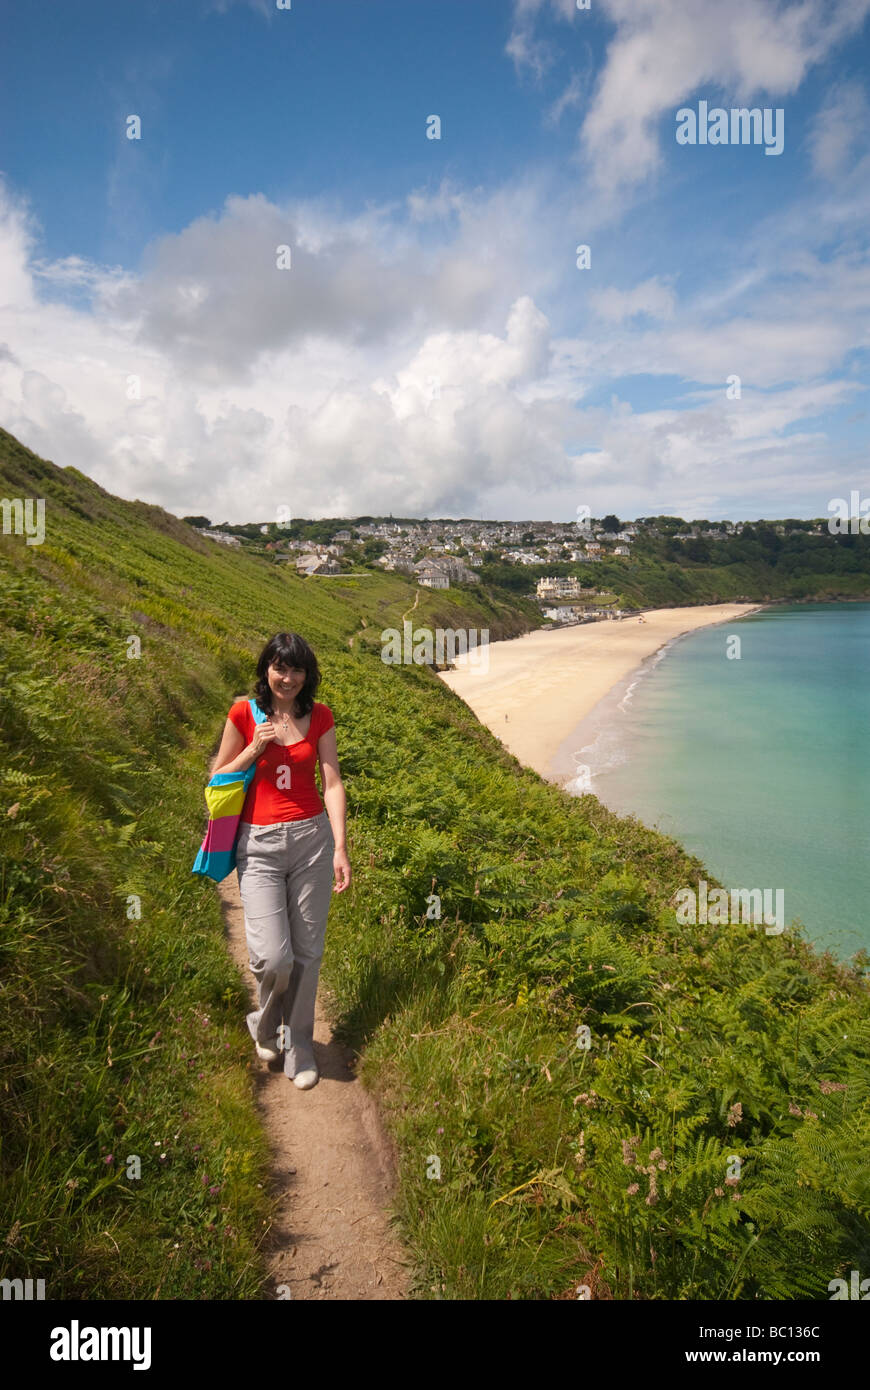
{"x":267,"y":1054}
{"x":306,"y":1079}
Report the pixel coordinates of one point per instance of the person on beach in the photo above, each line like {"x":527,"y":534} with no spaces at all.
{"x":288,"y":846}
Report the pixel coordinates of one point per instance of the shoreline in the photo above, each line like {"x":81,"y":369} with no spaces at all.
{"x":540,"y":688}
{"x":564,"y":767}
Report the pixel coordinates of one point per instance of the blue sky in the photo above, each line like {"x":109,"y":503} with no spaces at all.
{"x":433,"y":347}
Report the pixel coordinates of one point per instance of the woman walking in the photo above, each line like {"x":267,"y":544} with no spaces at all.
{"x":288,"y":846}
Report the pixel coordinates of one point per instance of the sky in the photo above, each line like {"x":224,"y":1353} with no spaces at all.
{"x":286,"y":298}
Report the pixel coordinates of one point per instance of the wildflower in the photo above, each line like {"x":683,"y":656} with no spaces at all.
{"x":440,"y":1130}
{"x":735,"y":1114}
{"x":628,"y":1147}
{"x":731,"y":1182}
{"x":810,"y":1115}
{"x":213,"y":1191}
{"x":735,"y":1197}
{"x":719,"y":1191}
{"x":793,"y":1109}
{"x":110,"y":1158}
{"x":826,"y":1087}
{"x":162,"y":1157}
{"x":635,"y":1187}
{"x":72,"y":1184}
{"x":580,"y":1155}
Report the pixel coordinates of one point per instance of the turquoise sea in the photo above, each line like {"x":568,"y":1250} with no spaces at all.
{"x":759,"y":764}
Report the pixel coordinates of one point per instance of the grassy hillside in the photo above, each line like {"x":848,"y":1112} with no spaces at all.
{"x":644,"y":582}
{"x":529,"y":1163}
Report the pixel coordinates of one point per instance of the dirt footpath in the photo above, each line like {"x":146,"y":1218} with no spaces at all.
{"x":333,"y":1168}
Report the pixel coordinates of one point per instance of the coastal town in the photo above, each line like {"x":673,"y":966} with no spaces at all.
{"x":442,"y":553}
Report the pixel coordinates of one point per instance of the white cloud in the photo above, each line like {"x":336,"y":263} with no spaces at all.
{"x":570,"y":97}
{"x":664,"y":50}
{"x":651,"y":298}
{"x":410,"y":366}
{"x":266,"y":8}
{"x":529,"y":52}
{"x":840,"y":126}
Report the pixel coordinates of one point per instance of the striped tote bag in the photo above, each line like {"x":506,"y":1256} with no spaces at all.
{"x":225,"y":797}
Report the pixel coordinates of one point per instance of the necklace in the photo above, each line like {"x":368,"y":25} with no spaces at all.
{"x":285,"y":720}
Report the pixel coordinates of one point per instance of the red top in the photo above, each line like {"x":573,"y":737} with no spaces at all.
{"x":283,"y":786}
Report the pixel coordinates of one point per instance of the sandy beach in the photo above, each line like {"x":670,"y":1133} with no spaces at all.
{"x":539,"y":687}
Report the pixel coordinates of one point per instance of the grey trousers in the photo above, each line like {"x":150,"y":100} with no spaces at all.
{"x":285,"y":881}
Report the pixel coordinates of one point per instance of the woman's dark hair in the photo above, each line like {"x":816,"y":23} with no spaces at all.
{"x":287,"y":649}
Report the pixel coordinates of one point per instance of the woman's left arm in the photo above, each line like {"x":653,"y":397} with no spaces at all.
{"x":335,"y":801}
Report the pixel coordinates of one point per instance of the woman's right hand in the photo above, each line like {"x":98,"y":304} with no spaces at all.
{"x":263,"y":735}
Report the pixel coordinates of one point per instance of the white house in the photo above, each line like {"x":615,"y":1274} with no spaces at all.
{"x":223,"y":537}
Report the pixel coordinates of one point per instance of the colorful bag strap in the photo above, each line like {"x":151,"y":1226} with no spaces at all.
{"x":259,"y":716}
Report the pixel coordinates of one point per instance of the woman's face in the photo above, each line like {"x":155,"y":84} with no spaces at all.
{"x":286,"y":681}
